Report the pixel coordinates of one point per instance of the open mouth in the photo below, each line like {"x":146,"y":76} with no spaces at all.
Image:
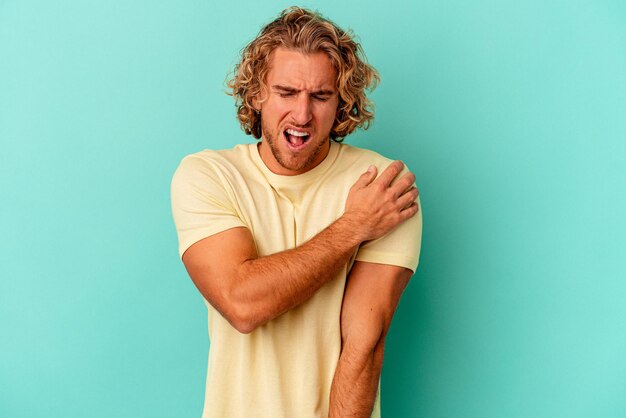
{"x":296,"y":139}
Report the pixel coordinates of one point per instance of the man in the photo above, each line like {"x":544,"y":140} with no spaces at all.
{"x":299,"y":248}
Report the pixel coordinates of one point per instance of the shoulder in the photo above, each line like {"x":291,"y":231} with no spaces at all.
{"x":352,"y":151}
{"x":361,"y":158}
{"x":212,"y":162}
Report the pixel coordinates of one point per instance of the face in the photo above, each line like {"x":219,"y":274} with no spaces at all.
{"x":299,"y":111}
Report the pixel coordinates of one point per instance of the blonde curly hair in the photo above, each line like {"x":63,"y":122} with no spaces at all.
{"x":307,"y":32}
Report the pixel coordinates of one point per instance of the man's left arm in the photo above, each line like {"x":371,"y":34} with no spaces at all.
{"x":370,"y":300}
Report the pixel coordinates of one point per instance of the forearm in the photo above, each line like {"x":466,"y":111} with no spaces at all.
{"x":355,"y":384}
{"x":268,"y":286}
{"x":370,"y":300}
{"x":248,"y":290}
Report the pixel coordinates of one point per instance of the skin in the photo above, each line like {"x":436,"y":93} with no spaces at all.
{"x":249,"y":290}
{"x":370,"y":300}
{"x":301,"y":94}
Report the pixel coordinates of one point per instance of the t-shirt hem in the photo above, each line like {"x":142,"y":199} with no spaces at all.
{"x":394,"y":259}
{"x":199,"y":234}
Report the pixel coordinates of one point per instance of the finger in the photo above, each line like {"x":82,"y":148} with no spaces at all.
{"x":403,"y":184}
{"x":411,"y":210}
{"x":390,"y":173}
{"x":367,"y":177}
{"x":407,"y":198}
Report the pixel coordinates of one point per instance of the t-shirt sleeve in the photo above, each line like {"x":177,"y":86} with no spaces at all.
{"x":399,"y":247}
{"x":201,"y":203}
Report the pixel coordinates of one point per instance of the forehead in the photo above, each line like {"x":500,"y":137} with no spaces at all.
{"x":301,"y":71}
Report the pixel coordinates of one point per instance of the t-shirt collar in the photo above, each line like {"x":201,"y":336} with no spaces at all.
{"x":298,"y":179}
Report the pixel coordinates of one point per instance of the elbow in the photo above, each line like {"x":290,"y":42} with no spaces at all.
{"x":242,"y":323}
{"x":241,"y":316}
{"x":241,"y":310}
{"x":363,"y":340}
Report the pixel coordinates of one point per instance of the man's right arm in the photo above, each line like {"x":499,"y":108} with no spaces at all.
{"x":249,"y":290}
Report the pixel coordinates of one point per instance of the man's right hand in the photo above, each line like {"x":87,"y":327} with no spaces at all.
{"x":376,"y":206}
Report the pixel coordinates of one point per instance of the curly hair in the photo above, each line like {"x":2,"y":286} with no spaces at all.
{"x":307,"y":32}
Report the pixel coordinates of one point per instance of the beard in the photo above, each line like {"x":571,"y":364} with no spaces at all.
{"x":288,"y":159}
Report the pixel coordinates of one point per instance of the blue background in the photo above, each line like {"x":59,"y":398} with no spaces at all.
{"x":511,"y":114}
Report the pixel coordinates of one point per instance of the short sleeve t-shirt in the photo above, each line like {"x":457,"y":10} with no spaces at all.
{"x":285,"y":367}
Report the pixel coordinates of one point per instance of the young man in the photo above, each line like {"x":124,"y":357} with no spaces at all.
{"x":299,"y":248}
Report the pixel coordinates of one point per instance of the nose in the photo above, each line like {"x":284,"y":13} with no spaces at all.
{"x":301,"y":111}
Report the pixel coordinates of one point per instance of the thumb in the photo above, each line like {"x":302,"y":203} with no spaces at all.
{"x":367,"y":177}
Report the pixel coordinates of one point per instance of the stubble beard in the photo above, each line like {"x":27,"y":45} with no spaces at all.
{"x":292,"y":163}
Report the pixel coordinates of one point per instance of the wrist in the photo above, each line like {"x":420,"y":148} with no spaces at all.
{"x":355,"y":230}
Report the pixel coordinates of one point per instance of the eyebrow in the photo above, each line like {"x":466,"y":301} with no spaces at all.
{"x":292,"y":90}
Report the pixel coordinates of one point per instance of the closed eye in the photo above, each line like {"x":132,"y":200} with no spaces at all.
{"x":318,"y":98}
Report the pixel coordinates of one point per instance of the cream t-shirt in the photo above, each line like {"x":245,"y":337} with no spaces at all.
{"x":285,"y":367}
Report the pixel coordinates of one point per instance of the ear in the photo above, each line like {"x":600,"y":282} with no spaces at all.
{"x":257,"y":101}
{"x":256,"y":105}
